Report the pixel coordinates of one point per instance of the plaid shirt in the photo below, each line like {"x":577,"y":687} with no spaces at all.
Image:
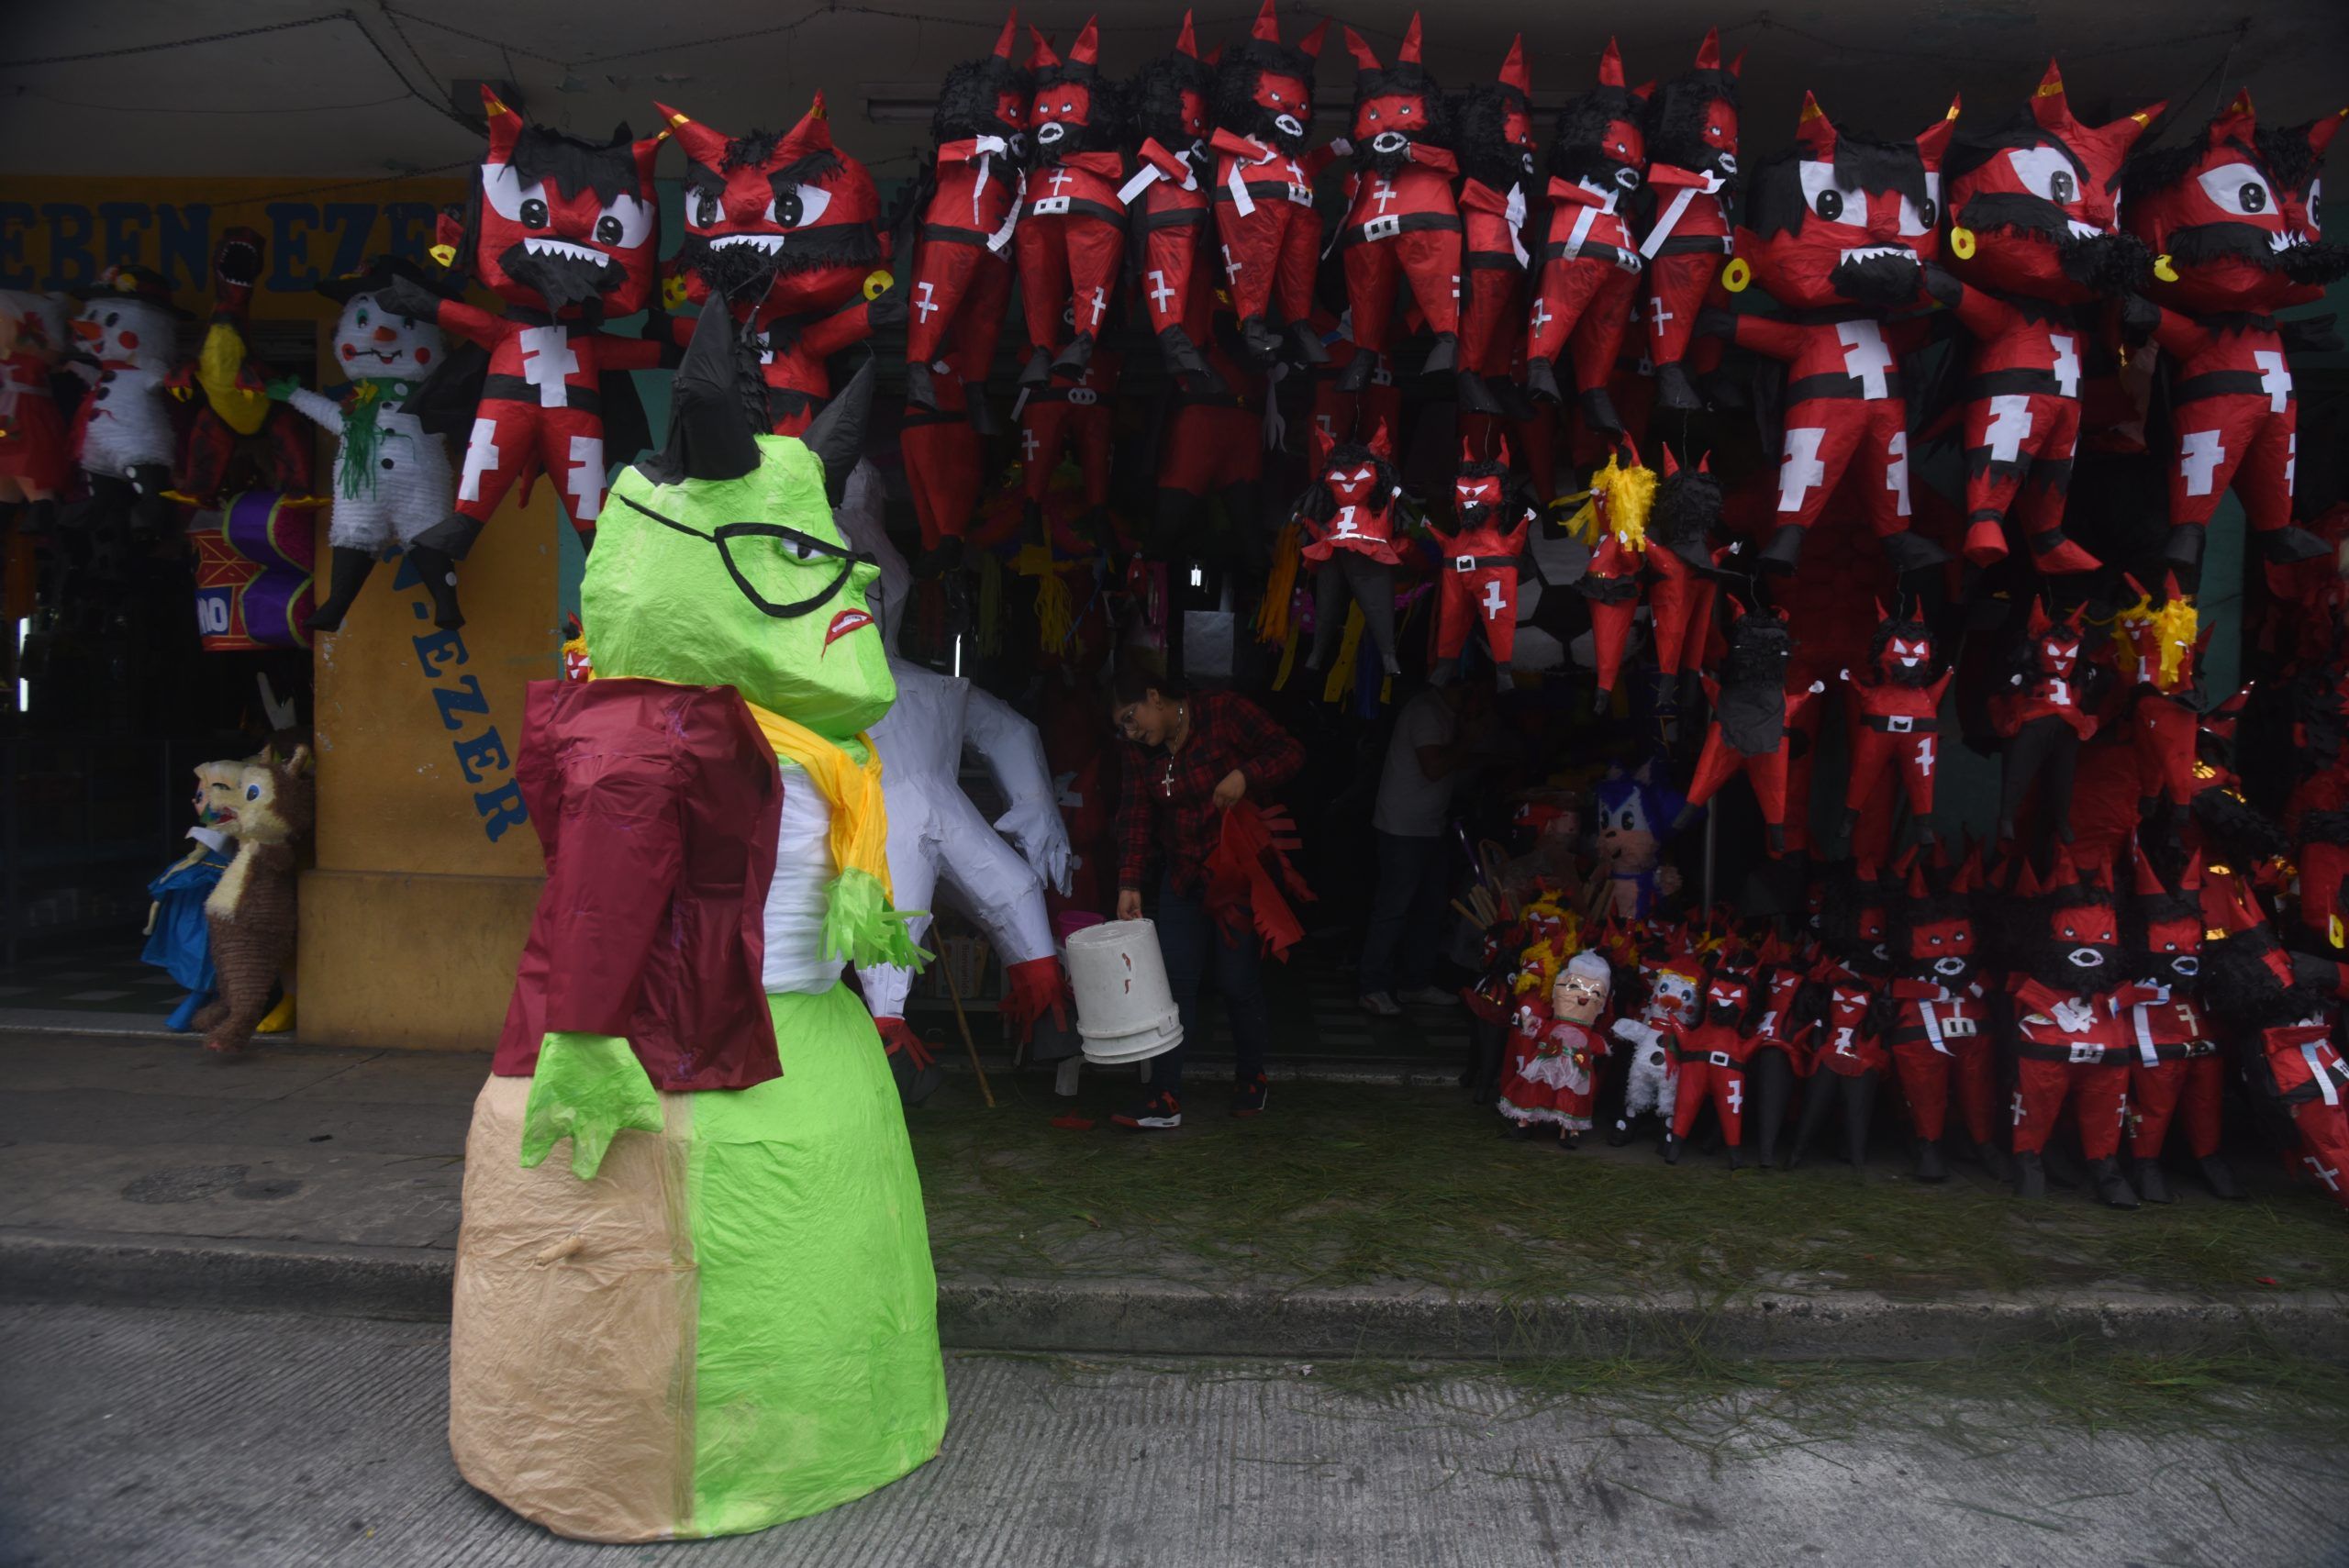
{"x":1167,"y":801}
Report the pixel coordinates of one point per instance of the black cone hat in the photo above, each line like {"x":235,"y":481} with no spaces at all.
{"x":711,"y":435}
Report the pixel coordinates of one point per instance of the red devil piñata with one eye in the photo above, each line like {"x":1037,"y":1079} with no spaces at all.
{"x":2034,"y":250}
{"x":2231,"y":248}
{"x":1842,"y":225}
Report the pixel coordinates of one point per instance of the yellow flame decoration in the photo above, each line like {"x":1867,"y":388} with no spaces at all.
{"x":2174,"y":625}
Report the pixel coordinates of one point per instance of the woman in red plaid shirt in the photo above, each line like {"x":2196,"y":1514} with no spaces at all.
{"x":1187,"y":756}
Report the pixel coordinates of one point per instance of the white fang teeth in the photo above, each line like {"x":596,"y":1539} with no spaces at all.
{"x":563,"y":248}
{"x":1874,"y":252}
{"x":2085,"y":231}
{"x":2286,"y":241}
{"x":770,"y":243}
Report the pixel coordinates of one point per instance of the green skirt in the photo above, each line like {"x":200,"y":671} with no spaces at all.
{"x":735,"y":1323}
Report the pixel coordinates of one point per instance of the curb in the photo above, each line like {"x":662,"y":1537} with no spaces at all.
{"x":88,"y":1268}
{"x":1148,"y":1317}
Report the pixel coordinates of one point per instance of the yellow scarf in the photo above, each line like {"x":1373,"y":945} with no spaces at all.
{"x":859,"y":830}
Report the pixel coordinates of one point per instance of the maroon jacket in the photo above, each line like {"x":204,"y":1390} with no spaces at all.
{"x":658,"y":808}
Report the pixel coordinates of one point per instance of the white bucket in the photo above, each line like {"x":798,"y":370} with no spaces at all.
{"x":1124,"y":1008}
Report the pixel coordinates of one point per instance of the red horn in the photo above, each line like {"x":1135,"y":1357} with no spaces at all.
{"x":1185,"y":41}
{"x":1409,"y":53}
{"x":505,"y":126}
{"x":1610,"y":66}
{"x":702,"y":144}
{"x":1359,"y":47}
{"x":1087,"y":51}
{"x":2320,"y":133}
{"x":1011,"y":32}
{"x":812,"y":135}
{"x":1815,"y":131}
{"x":1708,"y":53}
{"x":1041,"y":56}
{"x":1514,"y":71}
{"x":1268,"y":26}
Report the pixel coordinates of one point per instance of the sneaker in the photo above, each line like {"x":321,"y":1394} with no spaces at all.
{"x":1428,"y":996}
{"x":1250,"y":1095}
{"x":1152,"y":1113}
{"x":1379,"y":1004}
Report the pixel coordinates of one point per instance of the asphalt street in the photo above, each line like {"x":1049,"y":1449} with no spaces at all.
{"x":191,"y":1439}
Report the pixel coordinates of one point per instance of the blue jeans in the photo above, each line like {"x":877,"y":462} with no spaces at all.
{"x":1406,"y":912}
{"x":1193,"y":945}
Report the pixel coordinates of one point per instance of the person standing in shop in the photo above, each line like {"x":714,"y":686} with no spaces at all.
{"x":1188,"y":756}
{"x":1432,"y":746}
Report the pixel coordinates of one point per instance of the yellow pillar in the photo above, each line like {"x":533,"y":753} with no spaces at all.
{"x":427,"y":867}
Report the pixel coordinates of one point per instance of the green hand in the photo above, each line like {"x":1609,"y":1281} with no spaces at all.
{"x":282,"y":389}
{"x":587,"y":1087}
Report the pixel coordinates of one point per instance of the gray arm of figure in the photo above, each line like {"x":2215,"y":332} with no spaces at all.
{"x":1013,"y":753}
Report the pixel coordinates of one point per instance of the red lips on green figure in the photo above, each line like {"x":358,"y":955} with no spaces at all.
{"x":842,"y":624}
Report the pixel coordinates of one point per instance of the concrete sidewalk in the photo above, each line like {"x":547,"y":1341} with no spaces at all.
{"x":193,"y":1439}
{"x":328,"y":1181}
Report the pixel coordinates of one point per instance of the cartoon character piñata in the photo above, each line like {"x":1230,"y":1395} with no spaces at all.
{"x":1354,"y":515}
{"x":1550,"y":1077}
{"x":785,"y":231}
{"x":2062,"y":963}
{"x":1939,"y":1029}
{"x":1071,"y":233}
{"x":2231,"y":249}
{"x":565,"y":232}
{"x":1841,"y":227}
{"x":2033,"y":252}
{"x":722,"y":1314}
{"x":1402,"y":226}
{"x":2177,"y":1074}
{"x":1178,"y":273}
{"x":1590,"y":260}
{"x":1492,"y":127}
{"x":1476,"y":578}
{"x":392,"y":478}
{"x":1894,"y":718}
{"x":1268,"y":232}
{"x":1691,"y":127}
